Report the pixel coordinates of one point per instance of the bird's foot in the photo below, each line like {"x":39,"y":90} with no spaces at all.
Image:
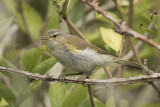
{"x":62,"y":78}
{"x":48,"y":77}
{"x":82,"y":79}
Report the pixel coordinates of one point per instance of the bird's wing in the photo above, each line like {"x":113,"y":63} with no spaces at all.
{"x":77,"y":43}
{"x":98,"y":50}
{"x":80,"y":44}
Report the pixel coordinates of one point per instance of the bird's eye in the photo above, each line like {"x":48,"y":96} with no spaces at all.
{"x":54,"y":35}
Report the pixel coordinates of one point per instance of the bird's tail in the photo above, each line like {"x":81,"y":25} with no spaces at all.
{"x":129,"y":63}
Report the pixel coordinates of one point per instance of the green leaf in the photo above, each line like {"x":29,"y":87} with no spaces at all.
{"x":150,"y":31}
{"x":141,"y":15}
{"x":57,"y":94}
{"x":85,"y":102}
{"x":5,"y":23}
{"x":78,"y":10}
{"x":29,"y":60}
{"x":4,"y":62}
{"x":33,"y":20}
{"x":110,"y":102}
{"x":111,"y":38}
{"x":6,"y":93}
{"x":3,"y":103}
{"x":75,"y":97}
{"x":45,"y":66}
{"x":27,"y":92}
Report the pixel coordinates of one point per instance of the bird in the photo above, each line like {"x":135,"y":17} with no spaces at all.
{"x":78,"y":55}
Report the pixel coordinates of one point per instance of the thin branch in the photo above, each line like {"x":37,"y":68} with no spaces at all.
{"x":138,"y":1}
{"x":69,"y":22}
{"x":63,"y":14}
{"x":138,"y":46}
{"x":90,"y":94}
{"x":64,"y":9}
{"x":130,"y":22}
{"x":155,"y":87}
{"x":119,"y":10}
{"x":108,"y":82}
{"x":131,"y":12}
{"x":122,"y":28}
{"x":131,"y":43}
{"x":119,"y":73}
{"x":109,"y":74}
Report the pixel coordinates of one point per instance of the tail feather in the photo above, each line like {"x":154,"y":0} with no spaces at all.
{"x":130,"y":64}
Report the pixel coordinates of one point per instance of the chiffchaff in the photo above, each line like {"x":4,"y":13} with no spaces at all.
{"x":76,"y":54}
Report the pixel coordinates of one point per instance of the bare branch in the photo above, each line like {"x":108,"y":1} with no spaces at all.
{"x":108,"y":82}
{"x":121,"y":28}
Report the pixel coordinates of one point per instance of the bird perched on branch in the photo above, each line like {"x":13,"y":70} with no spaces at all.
{"x":75,"y":53}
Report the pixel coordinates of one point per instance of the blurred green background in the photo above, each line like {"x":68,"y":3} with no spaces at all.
{"x":24,"y":22}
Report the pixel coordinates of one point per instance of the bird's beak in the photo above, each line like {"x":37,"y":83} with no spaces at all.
{"x":45,"y":38}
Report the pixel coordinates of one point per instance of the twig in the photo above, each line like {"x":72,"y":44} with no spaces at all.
{"x":63,"y":14}
{"x":122,"y":28}
{"x":131,"y":43}
{"x":108,"y":82}
{"x":155,"y":87}
{"x":90,"y":94}
{"x":130,"y":22}
{"x":121,"y":46}
{"x":109,"y":74}
{"x":119,"y":73}
{"x":138,"y":46}
{"x":64,"y":9}
{"x":69,"y":22}
{"x":134,"y":6}
{"x":119,"y":10}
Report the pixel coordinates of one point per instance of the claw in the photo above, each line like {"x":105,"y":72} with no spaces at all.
{"x":48,"y":77}
{"x":62,"y":78}
{"x":82,"y":79}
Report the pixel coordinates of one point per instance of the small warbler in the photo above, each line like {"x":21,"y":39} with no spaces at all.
{"x":76,"y":54}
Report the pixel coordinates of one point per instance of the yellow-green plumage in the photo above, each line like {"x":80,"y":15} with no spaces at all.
{"x":76,"y":54}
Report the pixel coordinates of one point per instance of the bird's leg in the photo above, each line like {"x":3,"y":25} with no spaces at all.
{"x":87,"y":75}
